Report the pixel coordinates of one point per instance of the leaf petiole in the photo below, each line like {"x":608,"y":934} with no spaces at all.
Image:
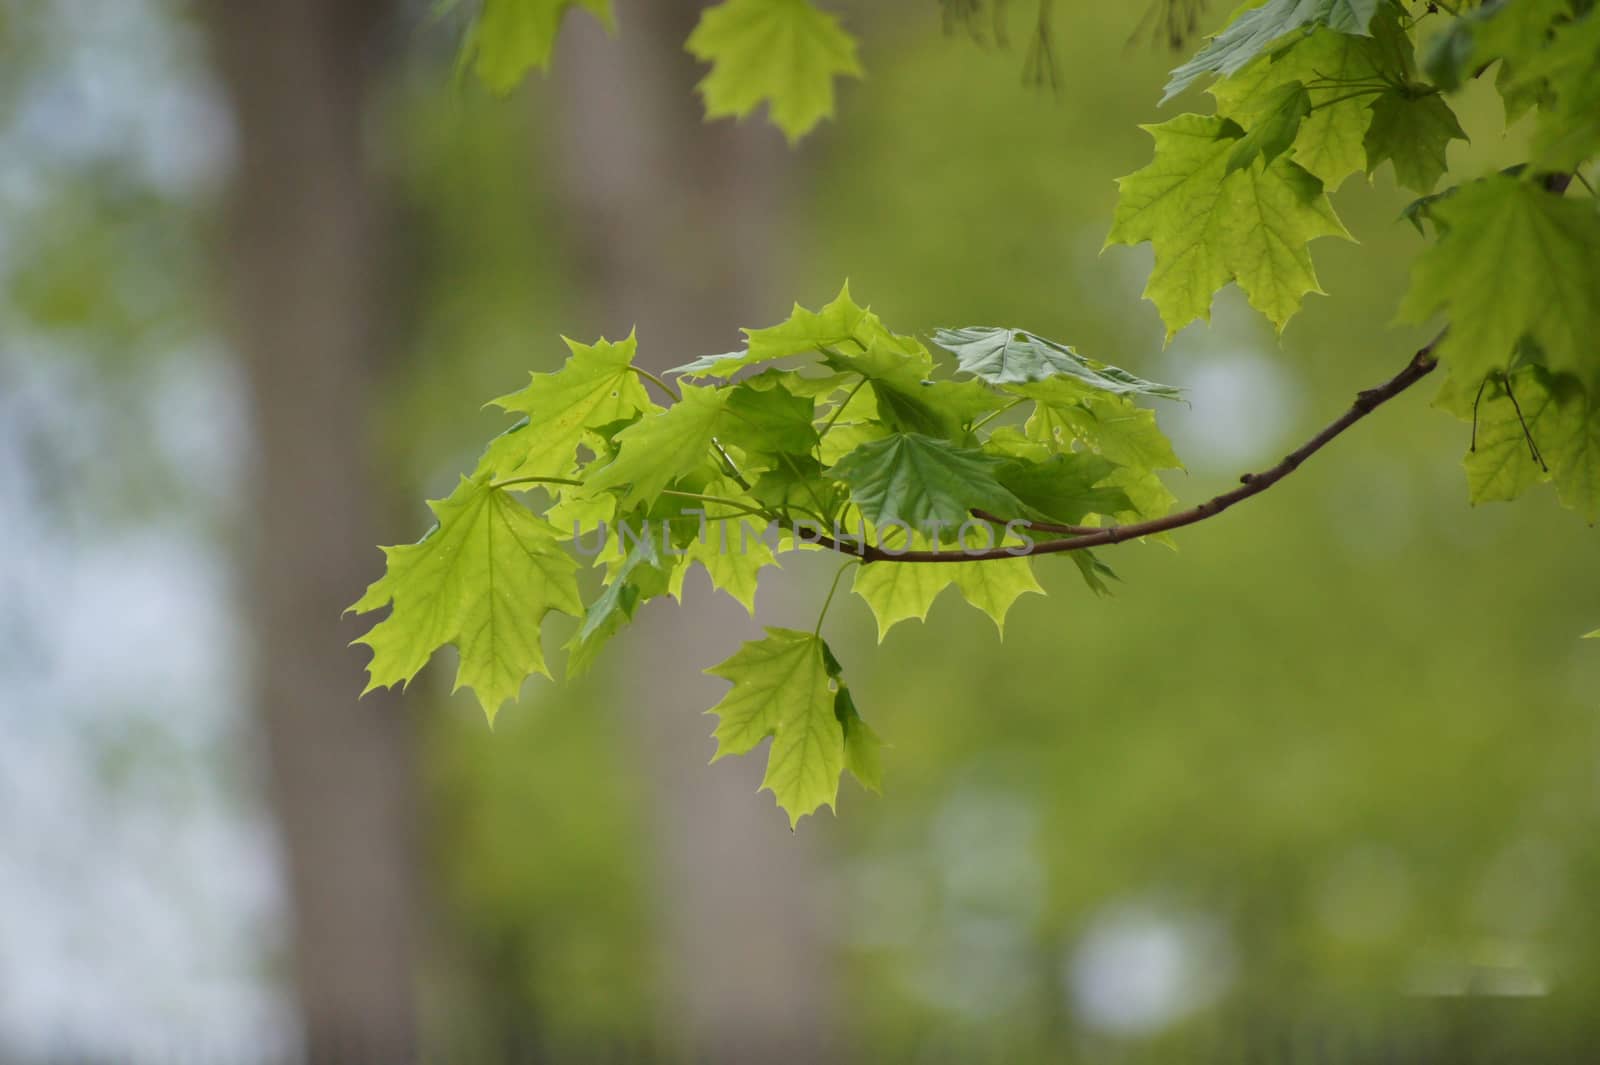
{"x":832,"y":588}
{"x":671,"y":393}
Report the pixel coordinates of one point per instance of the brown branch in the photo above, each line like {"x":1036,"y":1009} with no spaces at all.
{"x":1251,"y":484}
{"x":1040,"y":526}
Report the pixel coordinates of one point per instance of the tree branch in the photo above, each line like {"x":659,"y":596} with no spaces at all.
{"x":1251,"y":484}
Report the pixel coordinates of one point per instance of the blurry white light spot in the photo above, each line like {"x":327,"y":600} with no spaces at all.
{"x":1138,"y":970}
{"x":1243,"y":404}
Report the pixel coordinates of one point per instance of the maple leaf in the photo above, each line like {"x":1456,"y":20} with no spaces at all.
{"x":783,"y":51}
{"x":596,"y":386}
{"x":661,"y":447}
{"x":1335,"y":69}
{"x":862,"y":747}
{"x":634,"y":580}
{"x":1015,"y":356}
{"x":1209,"y":227}
{"x":906,"y":401}
{"x":769,"y":420}
{"x":1531,"y":426}
{"x":925,"y":484}
{"x":901,"y":591}
{"x":784,"y":687}
{"x":1065,"y":416}
{"x":1413,"y":131}
{"x":1568,"y":131}
{"x":1256,"y":29}
{"x":732,"y":550}
{"x":841,"y":321}
{"x":511,"y":37}
{"x":994,"y":586}
{"x":1067,"y":487}
{"x":483,"y":579}
{"x":1513,"y":261}
{"x":1547,"y":57}
{"x":1274,"y":131}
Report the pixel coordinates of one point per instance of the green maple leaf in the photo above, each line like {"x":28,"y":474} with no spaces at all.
{"x":1513,"y":261}
{"x":660,"y":448}
{"x":770,"y":420}
{"x":838,"y":322}
{"x":511,"y":37}
{"x":1015,"y":356}
{"x":1209,"y":227}
{"x":1532,"y":426}
{"x":920,"y":482}
{"x":784,"y":687}
{"x":483,"y":579}
{"x":783,"y":51}
{"x":862,"y":747}
{"x":1120,"y":430}
{"x":1500,"y":464}
{"x":845,"y":437}
{"x":597,"y":386}
{"x":1067,"y":487}
{"x":1547,"y":58}
{"x":1329,"y":142}
{"x":1413,"y":131}
{"x":582,"y":653}
{"x":994,"y":586}
{"x":1507,"y":31}
{"x":1568,"y":131}
{"x":732,"y":551}
{"x":633,"y":580}
{"x":902,"y":591}
{"x":797,"y":482}
{"x":804,"y":332}
{"x":1572,"y":448}
{"x":733,"y":555}
{"x":904,"y":399}
{"x":1256,"y":30}
{"x":1274,"y":131}
{"x":906,"y":591}
{"x":1114,"y":427}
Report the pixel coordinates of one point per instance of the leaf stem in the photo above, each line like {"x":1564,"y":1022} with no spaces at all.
{"x":1350,"y":96}
{"x":992,"y":415}
{"x":842,"y":405}
{"x":733,"y":469}
{"x":816,"y":633}
{"x":722,"y":500}
{"x":671,"y":393}
{"x":744,"y":508}
{"x":511,"y":482}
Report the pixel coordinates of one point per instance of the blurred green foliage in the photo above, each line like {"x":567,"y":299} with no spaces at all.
{"x":1336,"y":747}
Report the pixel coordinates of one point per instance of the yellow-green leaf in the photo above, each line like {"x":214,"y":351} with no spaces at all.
{"x":597,"y":386}
{"x":1513,"y":261}
{"x":483,"y":579}
{"x":783,"y":688}
{"x":785,"y":52}
{"x":1209,"y":227}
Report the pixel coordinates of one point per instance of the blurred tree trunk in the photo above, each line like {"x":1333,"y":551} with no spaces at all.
{"x":674,"y":226}
{"x":306,"y":261}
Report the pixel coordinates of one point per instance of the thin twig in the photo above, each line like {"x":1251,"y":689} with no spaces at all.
{"x":1251,"y":484}
{"x":1041,"y":526}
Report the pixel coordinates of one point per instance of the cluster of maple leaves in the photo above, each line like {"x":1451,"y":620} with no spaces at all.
{"x":828,"y":421}
{"x":831,"y":421}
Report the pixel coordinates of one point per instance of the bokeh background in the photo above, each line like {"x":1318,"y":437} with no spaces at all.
{"x":1319,"y":785}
